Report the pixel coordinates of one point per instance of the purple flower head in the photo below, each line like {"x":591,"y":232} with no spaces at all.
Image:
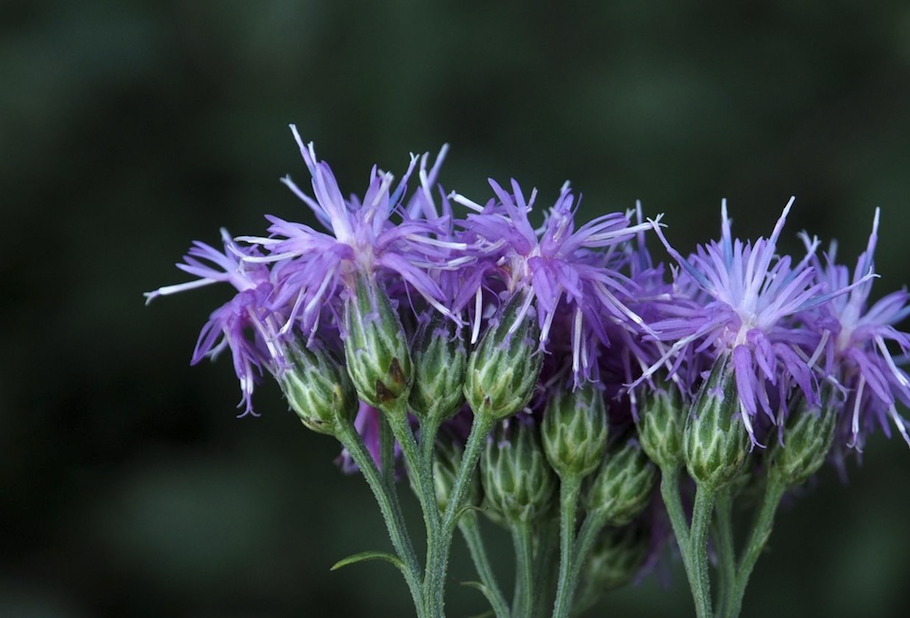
{"x":742,"y":298}
{"x":861,"y":359}
{"x":570,"y":274}
{"x":242,"y":324}
{"x":312,"y":266}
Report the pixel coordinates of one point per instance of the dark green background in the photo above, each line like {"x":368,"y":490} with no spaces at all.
{"x":128,"y":129}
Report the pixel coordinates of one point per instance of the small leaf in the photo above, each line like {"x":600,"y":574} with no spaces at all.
{"x":369,"y":555}
{"x":486,"y":593}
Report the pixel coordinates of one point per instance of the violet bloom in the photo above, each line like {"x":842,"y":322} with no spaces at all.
{"x":863,"y":362}
{"x":242,"y":324}
{"x":743,"y":295}
{"x":313,"y":266}
{"x":565,"y":271}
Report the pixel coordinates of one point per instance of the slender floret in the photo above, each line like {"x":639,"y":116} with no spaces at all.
{"x":862,"y":361}
{"x":314,"y":267}
{"x":742,"y":298}
{"x":566,"y":272}
{"x":241,"y":324}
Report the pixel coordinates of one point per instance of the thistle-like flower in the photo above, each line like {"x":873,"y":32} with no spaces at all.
{"x":361,"y":238}
{"x":241,"y":324}
{"x":742,"y":300}
{"x":554,"y":266}
{"x":859,"y":356}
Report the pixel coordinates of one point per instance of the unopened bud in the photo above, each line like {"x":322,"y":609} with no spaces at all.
{"x":318,"y":388}
{"x":617,"y":556}
{"x":806,"y":441}
{"x":660,"y":426}
{"x":622,"y":487}
{"x":375,"y":346}
{"x":504,"y":367}
{"x":517,"y":480}
{"x":440,"y":363}
{"x":716,"y":442}
{"x":574,"y":430}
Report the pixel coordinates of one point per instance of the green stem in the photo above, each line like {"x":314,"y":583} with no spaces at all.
{"x":391,"y":511}
{"x":545,"y":565}
{"x":761,"y":531}
{"x":568,"y":578}
{"x":434,"y":589}
{"x":479,"y":431}
{"x":523,"y":601}
{"x":436,"y":568}
{"x":386,"y":452}
{"x":698,"y":550}
{"x":669,"y":491}
{"x":470,"y":530}
{"x":724,"y":543}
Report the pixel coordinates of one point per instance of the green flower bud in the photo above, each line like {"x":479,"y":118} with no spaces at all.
{"x":660,"y":426}
{"x":318,"y":389}
{"x":517,"y":480}
{"x":622,"y":487}
{"x":807,"y":438}
{"x":574,"y":430}
{"x":375,"y":347}
{"x":716,"y":443}
{"x":445,"y":469}
{"x":440,"y":363}
{"x":504,"y":367}
{"x":617,"y":556}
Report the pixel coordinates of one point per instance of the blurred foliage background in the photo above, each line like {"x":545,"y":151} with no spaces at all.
{"x":130,"y":128}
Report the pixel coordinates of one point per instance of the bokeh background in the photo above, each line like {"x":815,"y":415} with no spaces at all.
{"x":130,"y":128}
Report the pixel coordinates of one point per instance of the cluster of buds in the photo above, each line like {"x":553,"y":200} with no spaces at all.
{"x":560,"y":335}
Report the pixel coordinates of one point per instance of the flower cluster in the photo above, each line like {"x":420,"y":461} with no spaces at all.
{"x":454,"y":321}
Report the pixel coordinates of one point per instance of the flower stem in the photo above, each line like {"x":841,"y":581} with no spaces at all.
{"x":545,"y":565}
{"x":470,"y":530}
{"x":568,"y":577}
{"x":761,"y":531}
{"x":723,"y":539}
{"x":434,"y":590}
{"x":698,"y":550}
{"x":391,"y":511}
{"x":669,"y":491}
{"x":438,"y":559}
{"x":523,"y":601}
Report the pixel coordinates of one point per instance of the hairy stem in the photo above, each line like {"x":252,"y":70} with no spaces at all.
{"x":434,"y":584}
{"x":699,"y":578}
{"x":523,"y":601}
{"x":761,"y":531}
{"x":726,"y":553}
{"x":568,"y":577}
{"x":470,"y":530}
{"x":391,"y":511}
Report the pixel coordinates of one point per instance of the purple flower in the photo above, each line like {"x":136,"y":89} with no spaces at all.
{"x":312,"y":266}
{"x":860,"y":357}
{"x":742,"y":297}
{"x":570,"y":274}
{"x":240,"y":324}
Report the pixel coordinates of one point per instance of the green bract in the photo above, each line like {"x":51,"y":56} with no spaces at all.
{"x":617,"y":556}
{"x":806,"y":441}
{"x":503,"y":368}
{"x":440,"y":362}
{"x":716,"y":442}
{"x":574,"y":430}
{"x":660,"y":425}
{"x":318,"y":389}
{"x":376,"y":349}
{"x":518,"y":482}
{"x":622,"y":488}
